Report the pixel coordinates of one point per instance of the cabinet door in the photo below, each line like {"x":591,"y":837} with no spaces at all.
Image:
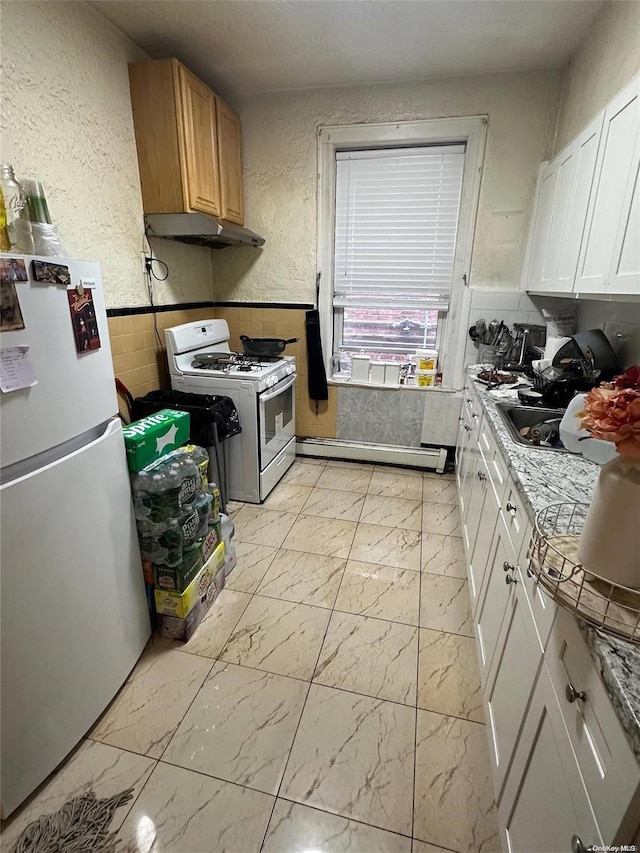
{"x":476,"y":493}
{"x":511,"y":679}
{"x":480,"y":547}
{"x":200,"y":147}
{"x":572,"y":199}
{"x":468,"y":453}
{"x":494,"y":596}
{"x":230,"y":152}
{"x":544,"y":803}
{"x":541,"y":231}
{"x":624,"y":276}
{"x":612,"y":198}
{"x":607,"y":763}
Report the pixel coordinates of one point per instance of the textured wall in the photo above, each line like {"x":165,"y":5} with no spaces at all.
{"x":66,"y":119}
{"x":280,"y":160}
{"x":607,"y":58}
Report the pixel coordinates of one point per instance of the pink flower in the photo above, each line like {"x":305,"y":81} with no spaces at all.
{"x":613,"y":414}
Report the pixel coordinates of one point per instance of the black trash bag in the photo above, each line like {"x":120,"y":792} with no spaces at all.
{"x":206,"y":410}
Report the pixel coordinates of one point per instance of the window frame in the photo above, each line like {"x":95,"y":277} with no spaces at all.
{"x":471,"y":130}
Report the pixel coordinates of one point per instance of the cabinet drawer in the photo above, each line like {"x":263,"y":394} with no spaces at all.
{"x":608,"y":766}
{"x":542,"y":605}
{"x":496,"y":464}
{"x":515,"y":516}
{"x":473,"y":408}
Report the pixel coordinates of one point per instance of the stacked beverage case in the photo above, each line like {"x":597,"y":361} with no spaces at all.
{"x":179,"y":525}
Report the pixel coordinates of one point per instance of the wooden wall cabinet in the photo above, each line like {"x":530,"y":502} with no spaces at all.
{"x":188,"y":142}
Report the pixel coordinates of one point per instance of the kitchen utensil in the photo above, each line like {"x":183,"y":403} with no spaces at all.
{"x":492,"y":329}
{"x":590,"y":346}
{"x":481,"y":331}
{"x":265,"y":347}
{"x":530,"y":397}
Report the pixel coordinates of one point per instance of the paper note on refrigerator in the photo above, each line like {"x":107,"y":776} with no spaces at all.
{"x":16,"y":369}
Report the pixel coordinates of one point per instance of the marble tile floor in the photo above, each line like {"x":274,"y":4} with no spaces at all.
{"x":330,"y":701}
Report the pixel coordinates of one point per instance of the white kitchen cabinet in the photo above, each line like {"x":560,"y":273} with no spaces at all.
{"x":545,"y":806}
{"x":541,"y":227}
{"x":610,"y":255}
{"x":494,"y":596}
{"x":576,"y":170}
{"x":562,"y":766}
{"x":512,"y":675}
{"x":608,"y":766}
{"x":564,"y":188}
{"x":480,"y":541}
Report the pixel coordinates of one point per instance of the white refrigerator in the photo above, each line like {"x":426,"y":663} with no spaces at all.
{"x":73,"y":618}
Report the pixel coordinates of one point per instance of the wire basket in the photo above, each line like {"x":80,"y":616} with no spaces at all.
{"x":553,"y":562}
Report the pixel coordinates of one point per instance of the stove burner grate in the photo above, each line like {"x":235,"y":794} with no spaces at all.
{"x":228,"y":361}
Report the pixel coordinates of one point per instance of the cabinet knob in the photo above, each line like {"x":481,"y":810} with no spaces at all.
{"x":469,"y":400}
{"x":507,"y":567}
{"x":511,"y":508}
{"x":467,"y":427}
{"x":576,"y":845}
{"x":482,"y":475}
{"x":510,"y":579}
{"x":572,"y":694}
{"x":460,"y":420}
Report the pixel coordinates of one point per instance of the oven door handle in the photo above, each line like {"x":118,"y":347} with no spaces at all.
{"x":278,"y":389}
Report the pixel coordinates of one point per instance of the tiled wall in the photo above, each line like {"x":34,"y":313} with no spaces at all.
{"x":620,"y":321}
{"x":286,"y":323}
{"x":139,"y":362}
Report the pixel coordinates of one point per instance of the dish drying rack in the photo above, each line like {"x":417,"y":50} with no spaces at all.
{"x":552,"y":560}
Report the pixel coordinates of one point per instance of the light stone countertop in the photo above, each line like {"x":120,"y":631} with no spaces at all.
{"x":545,"y":477}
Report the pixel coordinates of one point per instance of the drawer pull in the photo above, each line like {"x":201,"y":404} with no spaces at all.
{"x":572,"y":694}
{"x":510,"y":579}
{"x":511,"y":508}
{"x":467,"y":427}
{"x":507,"y":567}
{"x":576,"y":845}
{"x":482,"y":475}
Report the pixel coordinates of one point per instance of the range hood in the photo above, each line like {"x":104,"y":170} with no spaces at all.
{"x":200,"y":229}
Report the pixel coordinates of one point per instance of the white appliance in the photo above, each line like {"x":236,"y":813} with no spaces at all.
{"x":74,"y":618}
{"x":263,"y":392}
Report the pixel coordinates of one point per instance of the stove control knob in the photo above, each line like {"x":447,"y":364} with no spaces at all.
{"x":271,"y":381}
{"x":289,"y":370}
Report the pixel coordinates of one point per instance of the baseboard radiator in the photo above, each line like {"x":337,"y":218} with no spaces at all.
{"x":430,"y":458}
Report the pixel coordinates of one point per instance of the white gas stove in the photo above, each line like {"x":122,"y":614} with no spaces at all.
{"x":263,"y":391}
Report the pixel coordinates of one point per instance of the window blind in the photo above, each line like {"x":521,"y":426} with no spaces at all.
{"x":396,"y":223}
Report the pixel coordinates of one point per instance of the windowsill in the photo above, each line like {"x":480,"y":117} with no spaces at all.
{"x":378,"y":386}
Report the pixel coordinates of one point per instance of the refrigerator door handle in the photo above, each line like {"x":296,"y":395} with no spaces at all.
{"x":56,"y":455}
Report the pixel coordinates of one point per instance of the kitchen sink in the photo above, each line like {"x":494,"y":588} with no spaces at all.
{"x":533,"y":426}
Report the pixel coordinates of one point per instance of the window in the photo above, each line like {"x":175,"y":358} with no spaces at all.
{"x":395,"y":233}
{"x":397,"y":204}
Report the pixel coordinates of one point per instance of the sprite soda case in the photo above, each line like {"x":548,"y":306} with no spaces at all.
{"x":154,"y":436}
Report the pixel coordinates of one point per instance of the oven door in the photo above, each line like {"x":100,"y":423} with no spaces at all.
{"x":277,"y":419}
